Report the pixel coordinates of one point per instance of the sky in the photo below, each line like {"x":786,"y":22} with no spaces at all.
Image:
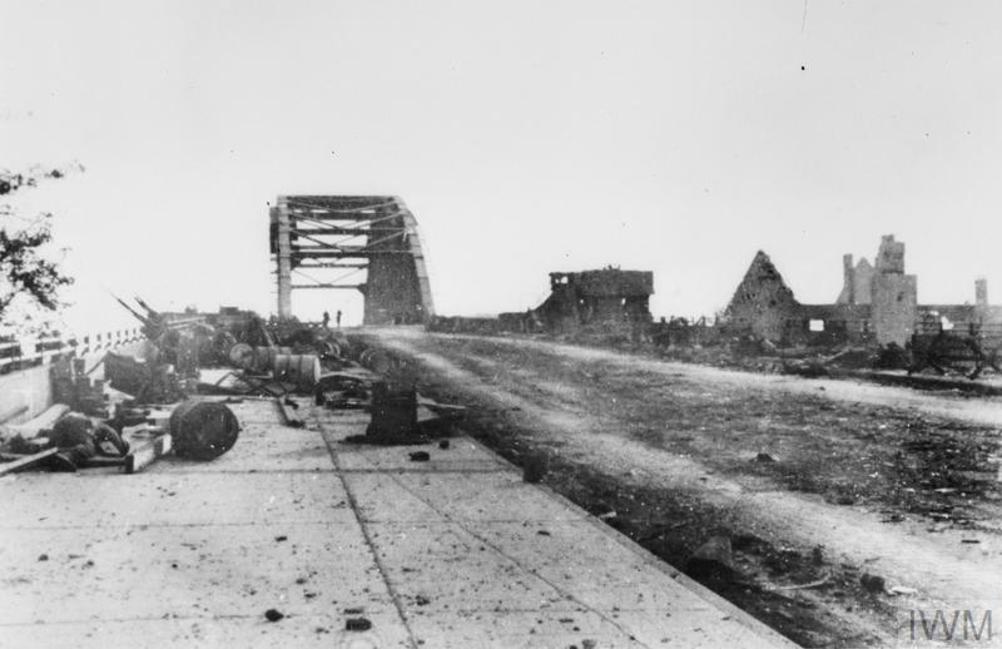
{"x":526,"y":137}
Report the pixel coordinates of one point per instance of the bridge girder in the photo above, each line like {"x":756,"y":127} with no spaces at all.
{"x":377,"y":234}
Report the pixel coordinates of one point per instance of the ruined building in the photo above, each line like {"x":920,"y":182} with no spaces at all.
{"x":890,"y":294}
{"x":606,"y":297}
{"x":878,"y":304}
{"x":763,"y":304}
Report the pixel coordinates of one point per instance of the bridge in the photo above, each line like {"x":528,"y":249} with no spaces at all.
{"x":326,"y":241}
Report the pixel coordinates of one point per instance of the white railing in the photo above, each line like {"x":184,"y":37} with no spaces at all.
{"x":29,"y":351}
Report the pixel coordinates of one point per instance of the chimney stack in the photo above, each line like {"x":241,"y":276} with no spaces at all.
{"x":849,"y":278}
{"x":981,"y":292}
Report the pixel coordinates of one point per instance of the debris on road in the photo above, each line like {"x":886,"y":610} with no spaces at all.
{"x":288,"y":409}
{"x":394,"y":414}
{"x":145,"y":454}
{"x":357,"y":624}
{"x":535,"y":468}
{"x":872,"y":583}
{"x":27,"y":461}
{"x":812,"y":584}
{"x":195,"y":430}
{"x":902,"y":590}
{"x":528,"y":398}
{"x":715,"y":558}
{"x":203,"y":430}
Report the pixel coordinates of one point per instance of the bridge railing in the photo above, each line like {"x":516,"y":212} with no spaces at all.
{"x":30,"y":351}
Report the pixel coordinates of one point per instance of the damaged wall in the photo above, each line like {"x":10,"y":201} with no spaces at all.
{"x":857,"y":281}
{"x":763,"y":304}
{"x":610,"y":297}
{"x":877,"y":303}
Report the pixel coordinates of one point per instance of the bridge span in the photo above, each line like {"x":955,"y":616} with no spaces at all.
{"x":324,"y":242}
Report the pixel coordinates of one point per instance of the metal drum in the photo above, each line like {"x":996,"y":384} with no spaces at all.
{"x":301,"y":369}
{"x":264,"y":357}
{"x":203,"y":430}
{"x":242,"y":355}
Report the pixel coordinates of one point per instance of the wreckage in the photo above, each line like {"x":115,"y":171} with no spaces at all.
{"x":165,"y":397}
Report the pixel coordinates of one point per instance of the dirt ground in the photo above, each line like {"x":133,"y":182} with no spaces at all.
{"x":819,"y":485}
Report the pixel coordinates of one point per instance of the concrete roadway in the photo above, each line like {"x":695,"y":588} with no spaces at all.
{"x":454,"y":552}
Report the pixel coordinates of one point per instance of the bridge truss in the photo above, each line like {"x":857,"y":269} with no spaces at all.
{"x":364,"y":243}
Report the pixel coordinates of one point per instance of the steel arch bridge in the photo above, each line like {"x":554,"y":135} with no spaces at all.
{"x":326,"y":241}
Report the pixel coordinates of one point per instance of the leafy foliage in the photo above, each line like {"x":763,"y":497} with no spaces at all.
{"x":27,"y":275}
{"x":25,"y":271}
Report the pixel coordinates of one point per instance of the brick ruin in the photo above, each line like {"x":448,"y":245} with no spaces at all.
{"x":763,"y":304}
{"x":878,"y":305}
{"x":607,"y":300}
{"x":608,"y":297}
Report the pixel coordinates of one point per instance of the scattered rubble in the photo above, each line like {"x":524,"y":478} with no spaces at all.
{"x":890,"y":459}
{"x":873,"y":583}
{"x":248,"y":358}
{"x":902,"y":590}
{"x":357,"y":624}
{"x":535,"y":468}
{"x":714,"y":558}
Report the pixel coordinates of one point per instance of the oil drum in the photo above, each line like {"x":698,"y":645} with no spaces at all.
{"x":203,"y":430}
{"x":264,"y":357}
{"x":300,"y":369}
{"x":242,"y":355}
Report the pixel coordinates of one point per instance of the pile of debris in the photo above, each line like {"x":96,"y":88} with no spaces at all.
{"x":373,"y":379}
{"x":166,"y":399}
{"x":61,"y":439}
{"x":141,"y":410}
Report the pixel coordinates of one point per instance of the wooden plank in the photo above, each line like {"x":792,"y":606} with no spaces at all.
{"x":292,"y":418}
{"x":27,"y":461}
{"x":101,"y":461}
{"x":143,"y":455}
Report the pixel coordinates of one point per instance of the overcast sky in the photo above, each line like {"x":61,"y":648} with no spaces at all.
{"x":526,"y":137}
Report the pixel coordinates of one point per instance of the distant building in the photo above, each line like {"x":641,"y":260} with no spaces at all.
{"x":609,"y":296}
{"x":878,"y":304}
